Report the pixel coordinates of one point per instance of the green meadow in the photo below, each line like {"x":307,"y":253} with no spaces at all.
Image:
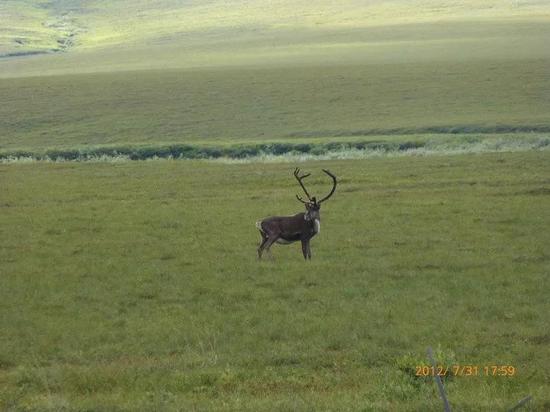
{"x":40,"y":37}
{"x":247,"y":104}
{"x":136,"y":286}
{"x":218,"y":74}
{"x":140,"y":141}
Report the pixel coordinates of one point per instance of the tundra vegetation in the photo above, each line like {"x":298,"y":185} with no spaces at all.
{"x":136,"y":285}
{"x":139,"y":145}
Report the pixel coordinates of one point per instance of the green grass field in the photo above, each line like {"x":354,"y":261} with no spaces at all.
{"x":74,"y":36}
{"x":135,"y":286}
{"x":201,"y":106}
{"x":184,"y":73}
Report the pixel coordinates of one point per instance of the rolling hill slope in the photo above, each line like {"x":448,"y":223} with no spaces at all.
{"x":101,"y":35}
{"x":255,"y":70}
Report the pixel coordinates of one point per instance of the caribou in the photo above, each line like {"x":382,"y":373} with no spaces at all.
{"x":299,"y":227}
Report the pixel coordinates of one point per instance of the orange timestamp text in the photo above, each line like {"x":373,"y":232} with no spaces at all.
{"x":466,"y":370}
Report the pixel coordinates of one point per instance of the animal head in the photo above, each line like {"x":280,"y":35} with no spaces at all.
{"x":312,"y":210}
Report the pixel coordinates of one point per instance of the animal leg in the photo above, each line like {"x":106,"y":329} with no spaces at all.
{"x":262,"y":245}
{"x":308,"y":251}
{"x":305,"y":247}
{"x":270,"y":240}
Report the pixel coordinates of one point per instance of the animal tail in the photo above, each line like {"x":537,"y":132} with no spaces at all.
{"x":259,"y":225}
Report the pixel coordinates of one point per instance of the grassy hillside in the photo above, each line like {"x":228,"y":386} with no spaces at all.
{"x":219,"y":71}
{"x":158,"y":107}
{"x":101,"y":35}
{"x":35,"y":23}
{"x":135,"y":286}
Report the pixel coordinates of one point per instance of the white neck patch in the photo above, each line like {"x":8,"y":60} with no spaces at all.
{"x":317,"y":226}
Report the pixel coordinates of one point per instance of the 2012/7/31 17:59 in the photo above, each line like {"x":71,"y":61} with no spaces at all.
{"x":466,"y":370}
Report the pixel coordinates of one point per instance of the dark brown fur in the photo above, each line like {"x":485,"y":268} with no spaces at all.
{"x":299,"y":227}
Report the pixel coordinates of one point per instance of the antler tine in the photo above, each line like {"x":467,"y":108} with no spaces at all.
{"x":333,"y":186}
{"x":297,"y":172}
{"x":300,"y":199}
{"x":299,"y":179}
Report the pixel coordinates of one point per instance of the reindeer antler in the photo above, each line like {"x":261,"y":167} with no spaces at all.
{"x":333,"y":186}
{"x":299,"y":179}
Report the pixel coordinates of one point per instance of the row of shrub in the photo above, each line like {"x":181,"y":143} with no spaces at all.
{"x":186,"y":151}
{"x":450,"y":129}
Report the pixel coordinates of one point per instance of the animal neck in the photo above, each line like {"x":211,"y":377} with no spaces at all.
{"x":309,"y":218}
{"x":314,"y":224}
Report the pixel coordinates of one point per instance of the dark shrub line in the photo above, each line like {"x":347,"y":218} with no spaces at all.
{"x":454,"y":129}
{"x":185,"y":151}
